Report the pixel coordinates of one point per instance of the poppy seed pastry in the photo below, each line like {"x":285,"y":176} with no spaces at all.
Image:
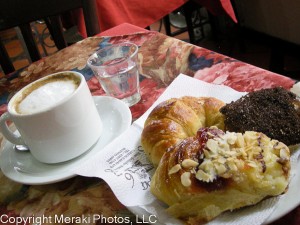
{"x":176,"y":119}
{"x":216,"y":171}
{"x":274,"y":112}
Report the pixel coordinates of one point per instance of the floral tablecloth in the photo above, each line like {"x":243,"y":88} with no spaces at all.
{"x":161,"y":59}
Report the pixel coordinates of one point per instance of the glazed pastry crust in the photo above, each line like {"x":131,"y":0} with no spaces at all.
{"x":214,"y":171}
{"x":176,"y":119}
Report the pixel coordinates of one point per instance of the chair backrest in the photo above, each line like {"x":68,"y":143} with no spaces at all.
{"x":21,"y":12}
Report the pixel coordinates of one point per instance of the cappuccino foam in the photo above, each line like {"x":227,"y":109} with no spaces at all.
{"x":46,"y":95}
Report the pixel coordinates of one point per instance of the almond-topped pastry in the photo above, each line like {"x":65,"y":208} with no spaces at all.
{"x":216,"y":171}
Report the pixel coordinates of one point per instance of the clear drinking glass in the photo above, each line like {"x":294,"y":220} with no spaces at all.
{"x":116,"y":68}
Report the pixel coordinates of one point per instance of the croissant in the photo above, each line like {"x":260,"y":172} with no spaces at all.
{"x":176,"y":119}
{"x":215,"y":171}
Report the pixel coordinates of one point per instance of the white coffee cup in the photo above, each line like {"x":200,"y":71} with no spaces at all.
{"x":55,"y":116}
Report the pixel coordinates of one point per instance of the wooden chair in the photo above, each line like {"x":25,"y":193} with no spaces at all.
{"x":19,"y":13}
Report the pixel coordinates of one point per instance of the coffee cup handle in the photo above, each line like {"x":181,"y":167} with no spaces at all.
{"x":7,"y":133}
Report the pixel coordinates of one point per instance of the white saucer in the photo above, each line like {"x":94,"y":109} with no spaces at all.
{"x":23,"y":168}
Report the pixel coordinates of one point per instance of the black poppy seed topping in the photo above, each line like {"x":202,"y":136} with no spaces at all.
{"x":270,"y":111}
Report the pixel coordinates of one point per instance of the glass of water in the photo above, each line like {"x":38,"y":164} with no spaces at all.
{"x":116,"y":68}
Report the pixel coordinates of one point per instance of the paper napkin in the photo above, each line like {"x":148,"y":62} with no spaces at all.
{"x":126,"y":169}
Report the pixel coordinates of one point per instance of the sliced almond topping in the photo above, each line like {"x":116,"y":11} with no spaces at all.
{"x":220,"y":169}
{"x":175,"y":169}
{"x":279,"y":145}
{"x":232,"y":166}
{"x":185,"y":179}
{"x":225,"y":155}
{"x":210,"y":134}
{"x":206,"y":165}
{"x":231,"y":138}
{"x":224,"y":147}
{"x":239,"y":163}
{"x":221,"y":160}
{"x":212,"y":145}
{"x":188,"y":163}
{"x":249,"y":137}
{"x":240,"y":142}
{"x":230,"y":159}
{"x":201,"y":175}
{"x":207,"y":153}
{"x":193,"y":171}
{"x":284,"y":153}
{"x":252,"y":164}
{"x":242,"y":152}
{"x":231,"y":153}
